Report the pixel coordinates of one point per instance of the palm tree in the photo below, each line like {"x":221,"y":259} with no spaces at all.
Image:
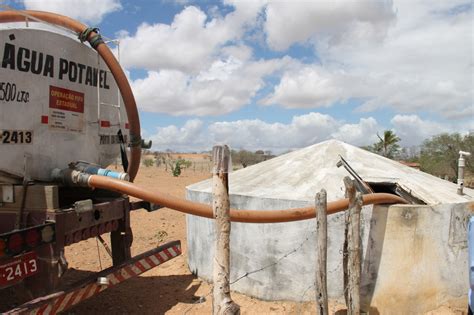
{"x":388,"y":145}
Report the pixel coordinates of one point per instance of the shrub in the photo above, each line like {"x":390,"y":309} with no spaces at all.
{"x":176,"y":169}
{"x":148,"y":162}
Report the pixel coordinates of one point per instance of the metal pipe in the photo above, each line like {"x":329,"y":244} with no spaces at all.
{"x":97,"y":170}
{"x":461,"y":166}
{"x":112,"y":63}
{"x":249,"y":216}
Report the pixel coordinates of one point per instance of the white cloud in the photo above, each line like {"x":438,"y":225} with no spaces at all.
{"x":191,"y":135}
{"x":241,"y":52}
{"x":254,"y":134}
{"x":412,"y":130}
{"x":325,"y":21}
{"x":190,"y":42}
{"x":301,"y":131}
{"x":310,"y":87}
{"x":91,"y":11}
{"x":423,"y":62}
{"x":225,"y":86}
{"x":362,"y":133}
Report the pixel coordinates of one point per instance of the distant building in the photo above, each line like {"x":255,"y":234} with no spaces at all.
{"x":414,"y":165}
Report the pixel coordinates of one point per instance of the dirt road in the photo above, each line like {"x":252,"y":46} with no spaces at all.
{"x":169,"y":288}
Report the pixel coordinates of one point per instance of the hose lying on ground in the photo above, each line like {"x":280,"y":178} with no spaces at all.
{"x":249,"y":216}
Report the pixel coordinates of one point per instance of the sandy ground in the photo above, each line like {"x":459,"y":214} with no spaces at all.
{"x":169,"y":288}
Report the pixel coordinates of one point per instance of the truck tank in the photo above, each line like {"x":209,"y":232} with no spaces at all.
{"x":61,"y":110}
{"x":59,"y":104}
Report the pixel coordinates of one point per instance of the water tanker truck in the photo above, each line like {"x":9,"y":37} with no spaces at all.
{"x":66,"y":113}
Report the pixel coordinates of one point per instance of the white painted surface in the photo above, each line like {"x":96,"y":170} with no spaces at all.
{"x":299,"y":174}
{"x":414,"y":256}
{"x":79,"y":138}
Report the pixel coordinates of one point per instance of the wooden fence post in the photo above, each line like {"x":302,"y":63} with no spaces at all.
{"x":222,"y":302}
{"x":352,"y":263}
{"x":321,"y":249}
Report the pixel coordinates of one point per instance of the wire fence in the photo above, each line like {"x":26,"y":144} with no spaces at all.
{"x":301,"y":307}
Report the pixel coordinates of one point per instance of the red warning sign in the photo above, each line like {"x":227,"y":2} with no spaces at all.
{"x":66,"y":99}
{"x":66,"y":109}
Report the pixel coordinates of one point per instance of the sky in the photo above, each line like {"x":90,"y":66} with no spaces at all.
{"x":281,"y":75}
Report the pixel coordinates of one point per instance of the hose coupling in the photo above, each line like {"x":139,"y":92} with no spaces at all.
{"x":70,"y":177}
{"x":135,"y":141}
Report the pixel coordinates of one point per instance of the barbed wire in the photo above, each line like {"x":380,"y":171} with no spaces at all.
{"x":201,"y":300}
{"x":276,"y":262}
{"x":311,"y":230}
{"x":300,"y":305}
{"x":310,"y":233}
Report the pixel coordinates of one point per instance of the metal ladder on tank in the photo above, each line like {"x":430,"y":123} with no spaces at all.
{"x":117,"y":106}
{"x":99,"y":103}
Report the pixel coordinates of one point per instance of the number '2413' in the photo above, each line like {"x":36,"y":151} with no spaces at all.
{"x":16,"y":136}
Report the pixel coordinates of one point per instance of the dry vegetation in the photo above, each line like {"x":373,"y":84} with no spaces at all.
{"x":169,"y":288}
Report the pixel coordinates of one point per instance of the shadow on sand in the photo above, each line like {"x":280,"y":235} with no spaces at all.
{"x":140,"y":295}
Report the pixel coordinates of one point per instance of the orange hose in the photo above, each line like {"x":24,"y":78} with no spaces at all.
{"x":109,"y":59}
{"x":249,"y":216}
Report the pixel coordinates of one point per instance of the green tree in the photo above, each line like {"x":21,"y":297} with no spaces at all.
{"x":176,"y":168}
{"x":439,"y":154}
{"x":246,"y":158}
{"x":388,"y":144}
